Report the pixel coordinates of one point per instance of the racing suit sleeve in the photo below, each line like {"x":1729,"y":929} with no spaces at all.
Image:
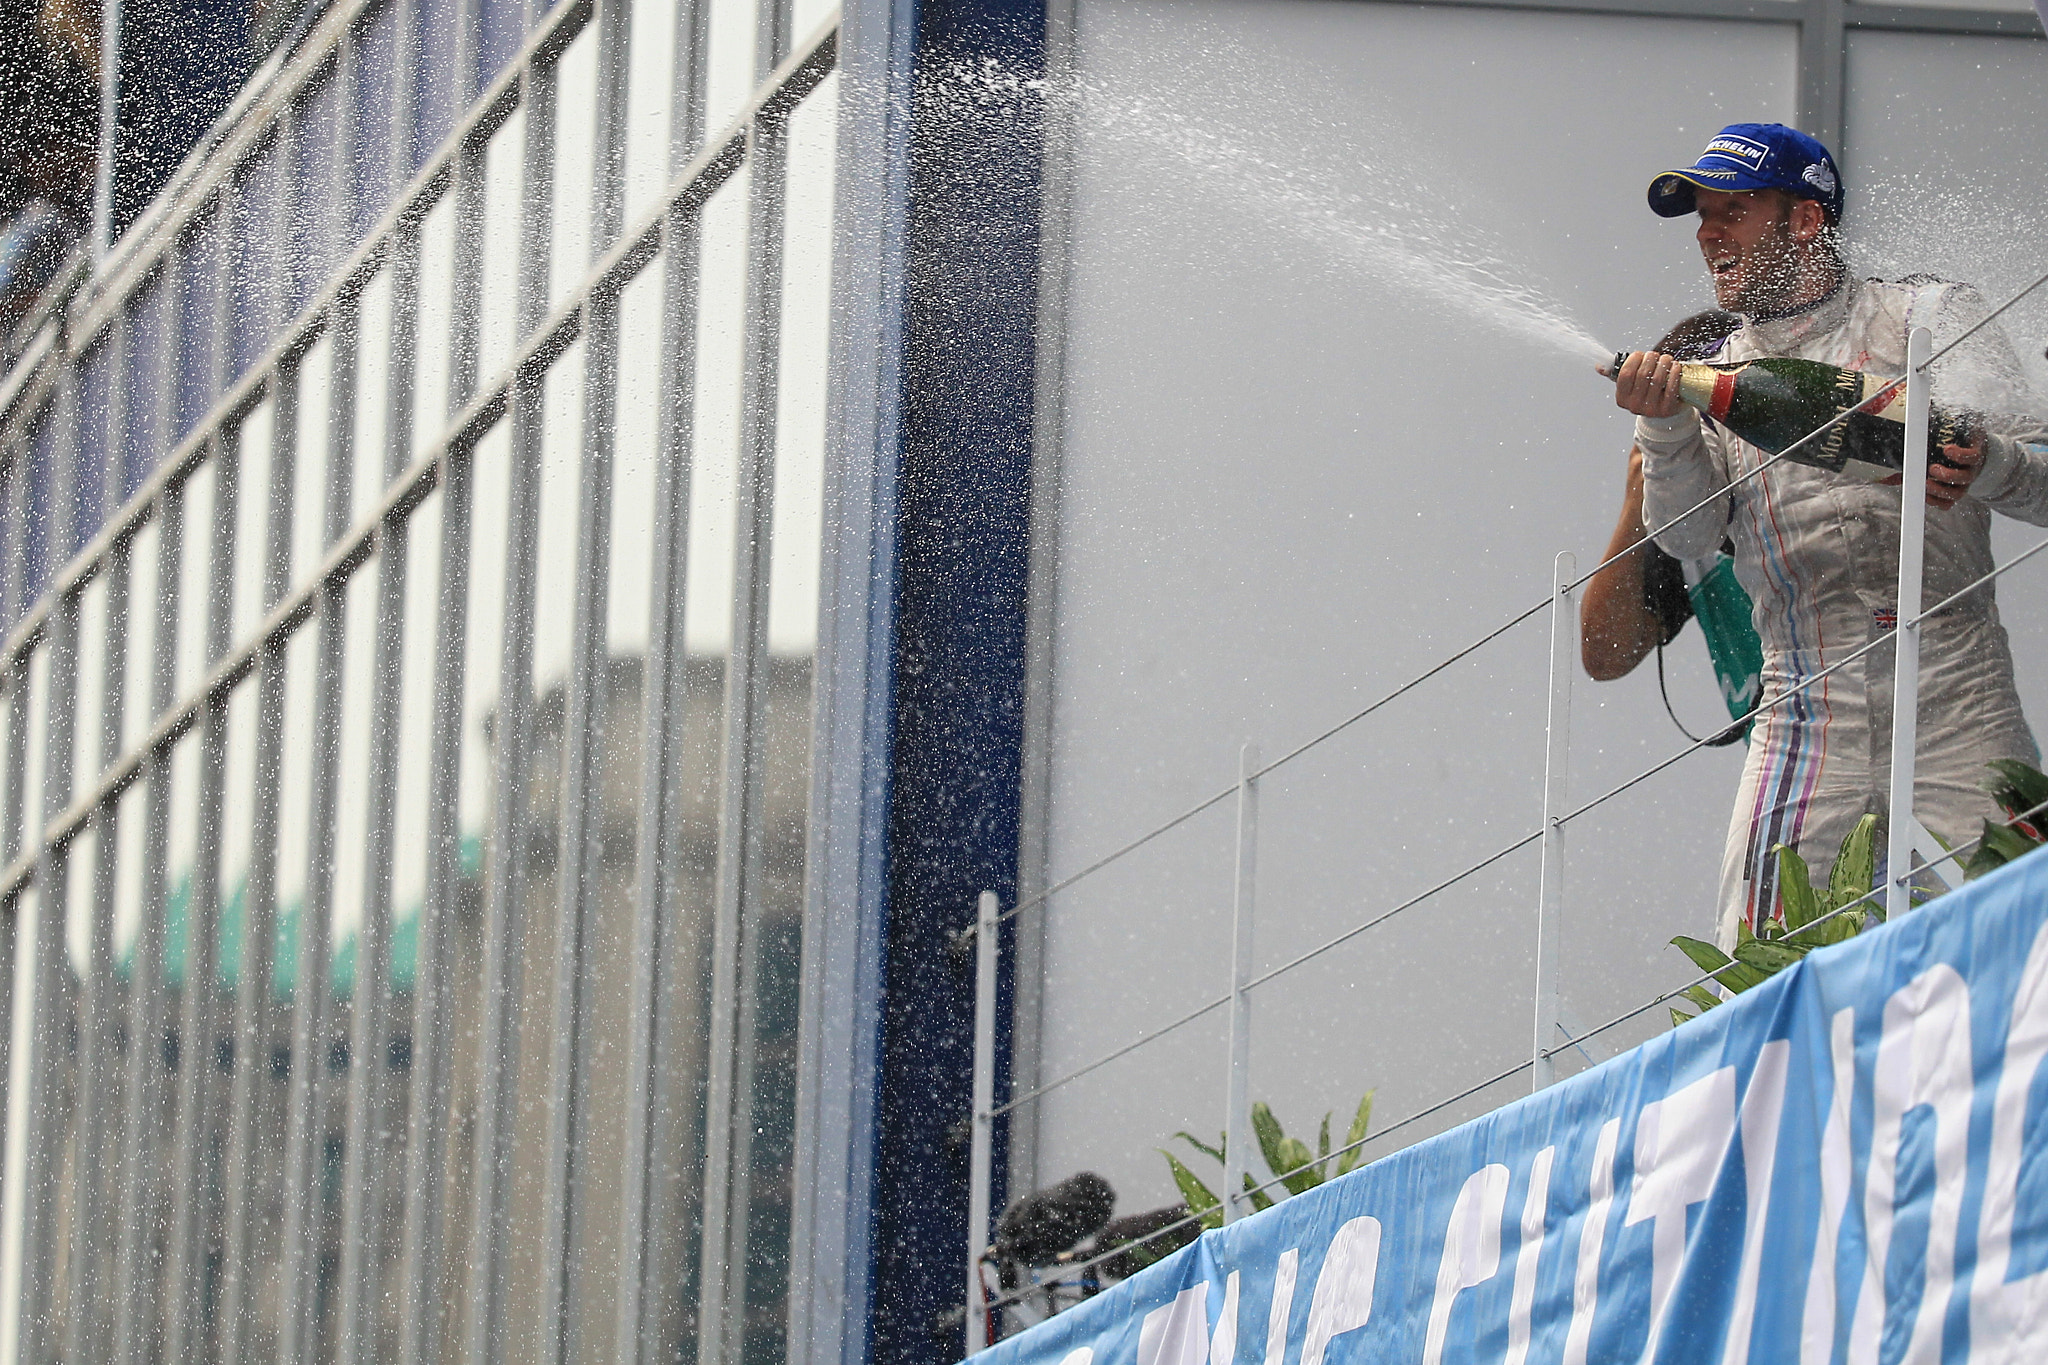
{"x":1681,"y":469}
{"x":1983,"y":376}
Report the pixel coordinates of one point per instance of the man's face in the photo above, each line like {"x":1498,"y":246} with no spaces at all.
{"x":1754,"y":252}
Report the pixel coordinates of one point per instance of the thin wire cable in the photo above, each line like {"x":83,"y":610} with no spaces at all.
{"x":1040,"y":897}
{"x":1985,"y":321}
{"x":1467,"y":1093}
{"x":1958,"y":851}
{"x":1103,"y":1061}
{"x":1806,"y":683}
{"x":1386,"y":915}
{"x":1797,"y":689}
{"x":1223,"y":1000}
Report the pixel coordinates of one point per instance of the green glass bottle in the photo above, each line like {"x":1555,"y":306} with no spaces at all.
{"x":1773,"y":401}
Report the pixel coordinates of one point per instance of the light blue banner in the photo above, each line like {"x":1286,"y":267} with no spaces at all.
{"x":1847,"y":1164}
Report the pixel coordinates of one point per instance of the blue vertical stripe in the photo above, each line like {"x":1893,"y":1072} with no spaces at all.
{"x":199,"y":279}
{"x":258,"y":215}
{"x":96,"y":441}
{"x":149,"y":334}
{"x":376,"y":95}
{"x":439,"y":101}
{"x":315,"y":216}
{"x":38,"y":530}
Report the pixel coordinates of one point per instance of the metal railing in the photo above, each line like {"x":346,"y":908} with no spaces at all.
{"x":1906,"y":840}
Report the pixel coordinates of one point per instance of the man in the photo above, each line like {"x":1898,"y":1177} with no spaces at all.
{"x":1818,"y":552}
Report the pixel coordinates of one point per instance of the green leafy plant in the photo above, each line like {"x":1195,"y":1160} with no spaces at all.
{"x":1792,"y":933}
{"x":1292,"y":1163}
{"x":2021,"y":790}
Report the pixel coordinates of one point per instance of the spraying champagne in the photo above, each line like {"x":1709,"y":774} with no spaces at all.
{"x":1773,"y":401}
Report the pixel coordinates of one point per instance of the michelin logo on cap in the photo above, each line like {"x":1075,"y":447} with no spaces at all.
{"x":1738,"y":149}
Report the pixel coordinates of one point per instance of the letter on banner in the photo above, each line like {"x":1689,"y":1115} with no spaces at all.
{"x":1817,"y":1327}
{"x":1343,"y":1297}
{"x":1592,"y":1236}
{"x":1177,"y":1334}
{"x":1763,"y":1104}
{"x":1681,"y":1141}
{"x":1283,"y":1306}
{"x":1535,"y":1209}
{"x":2006,"y":1318}
{"x":1223,"y":1341}
{"x":1471,"y":1250}
{"x":1080,"y":1355}
{"x":1923,"y":1057}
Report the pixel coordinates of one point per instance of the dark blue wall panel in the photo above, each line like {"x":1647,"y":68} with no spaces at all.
{"x":963,"y":506}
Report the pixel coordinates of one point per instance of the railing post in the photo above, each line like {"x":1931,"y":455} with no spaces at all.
{"x":1564,"y":636}
{"x":1906,"y":665}
{"x":1236,"y":1117}
{"x":981,"y":1152}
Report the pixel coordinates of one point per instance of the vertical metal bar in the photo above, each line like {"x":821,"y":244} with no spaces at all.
{"x":772,"y":23}
{"x":110,"y":124}
{"x":503,"y":930}
{"x":1898,"y":892}
{"x":253,"y":1008}
{"x":583,"y":749}
{"x":16,"y":756}
{"x":665,"y":697}
{"x":585,"y":712}
{"x":46,"y":1337}
{"x":664,"y":700}
{"x":361,"y":1234}
{"x":736,"y":949}
{"x":428,"y":1111}
{"x":537,"y":176}
{"x":465,"y":313}
{"x":14,"y":585}
{"x":362,"y":1245}
{"x":608,"y":151}
{"x":138,"y":1298}
{"x":192,"y":1187}
{"x":299,"y":1252}
{"x":101,"y":1121}
{"x":428,"y":1105}
{"x":1564,"y":635}
{"x":406,"y":73}
{"x":1237,"y":1091}
{"x":46,"y":1054}
{"x":981,"y":1143}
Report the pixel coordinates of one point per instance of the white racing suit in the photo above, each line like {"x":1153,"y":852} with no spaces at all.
{"x":1819,"y":554}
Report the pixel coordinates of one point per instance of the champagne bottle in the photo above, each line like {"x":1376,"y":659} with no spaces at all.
{"x":1773,"y":401}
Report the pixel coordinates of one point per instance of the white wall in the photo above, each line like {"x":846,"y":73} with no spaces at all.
{"x":1295,"y":473}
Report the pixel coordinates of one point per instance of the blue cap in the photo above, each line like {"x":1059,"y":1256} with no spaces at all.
{"x":1753,"y":156}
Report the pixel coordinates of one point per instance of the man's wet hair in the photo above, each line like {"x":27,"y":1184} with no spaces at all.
{"x":1699,"y":336}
